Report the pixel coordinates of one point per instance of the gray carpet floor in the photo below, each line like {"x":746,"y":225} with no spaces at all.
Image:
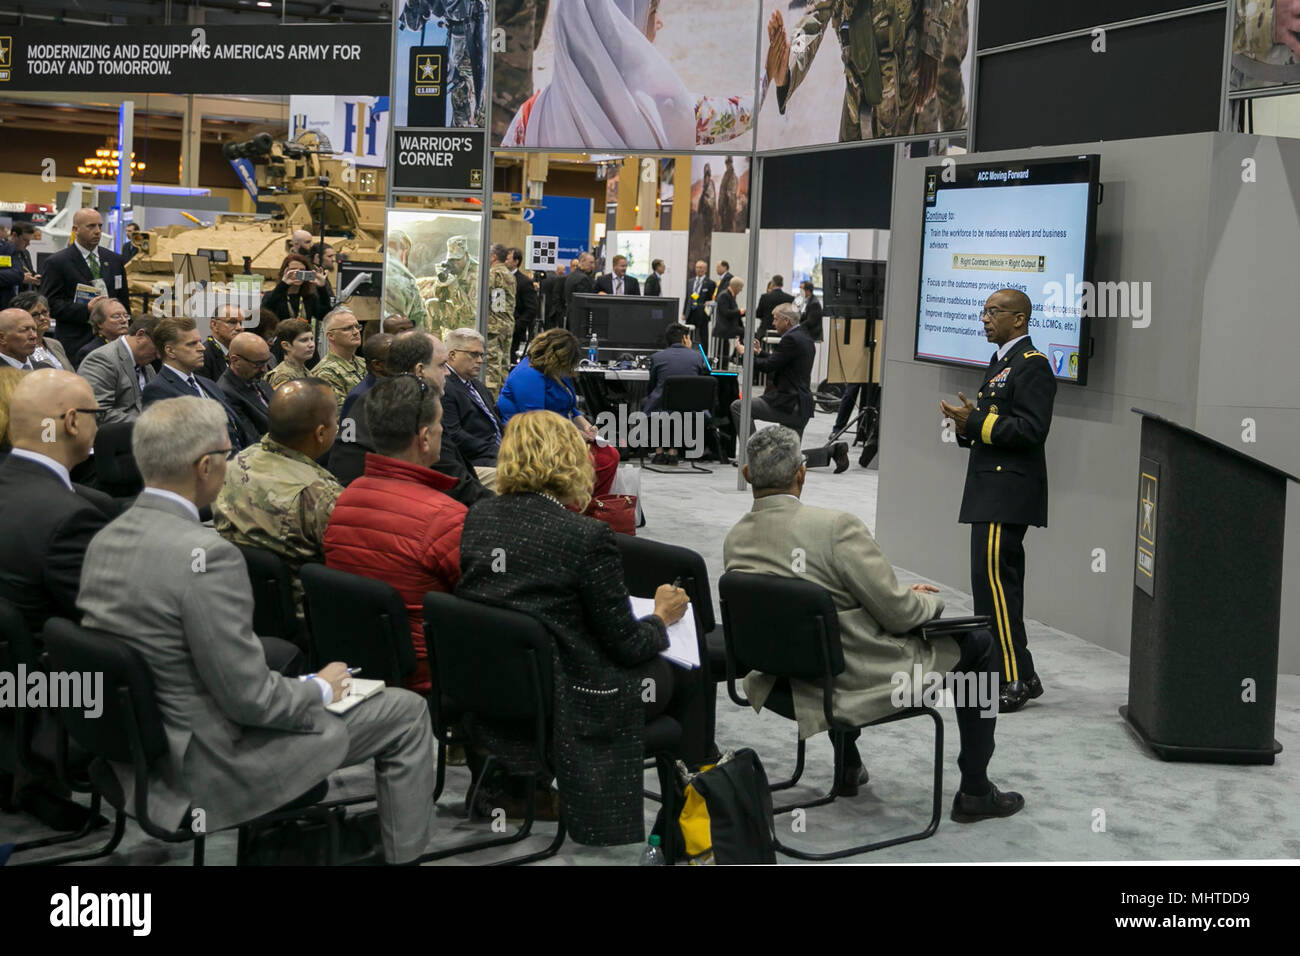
{"x":1092,"y":793}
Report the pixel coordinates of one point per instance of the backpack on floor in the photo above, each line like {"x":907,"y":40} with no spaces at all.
{"x":726,"y":813}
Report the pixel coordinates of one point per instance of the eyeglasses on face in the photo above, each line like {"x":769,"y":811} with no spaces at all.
{"x":256,"y":363}
{"x":346,"y":328}
{"x":989,"y":310}
{"x":473,"y":355}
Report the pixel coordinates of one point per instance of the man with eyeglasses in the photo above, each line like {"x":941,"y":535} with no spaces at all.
{"x":48,"y":524}
{"x":50,"y":350}
{"x":340,"y":368}
{"x":1006,"y":480}
{"x":243,"y":381}
{"x":223,"y":327}
{"x":18,"y":340}
{"x":109,"y":319}
{"x":470,"y":420}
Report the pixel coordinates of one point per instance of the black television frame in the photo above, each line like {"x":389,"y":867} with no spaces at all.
{"x":968,"y":173}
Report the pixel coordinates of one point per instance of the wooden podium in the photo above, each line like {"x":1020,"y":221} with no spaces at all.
{"x":1207,"y":598}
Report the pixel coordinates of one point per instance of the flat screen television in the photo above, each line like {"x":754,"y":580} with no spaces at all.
{"x":623,"y":322}
{"x":1020,"y":224}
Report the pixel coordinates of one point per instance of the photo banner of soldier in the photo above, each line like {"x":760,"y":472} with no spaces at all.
{"x":1265,"y":45}
{"x":195,"y":59}
{"x":624,"y":74}
{"x":440,"y":50}
{"x":848,"y":70}
{"x":431,"y":268}
{"x":719,"y":200}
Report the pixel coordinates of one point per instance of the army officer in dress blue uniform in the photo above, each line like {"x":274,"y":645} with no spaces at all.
{"x":1006,"y":480}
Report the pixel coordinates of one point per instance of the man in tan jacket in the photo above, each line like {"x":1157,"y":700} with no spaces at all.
{"x":834,"y":550}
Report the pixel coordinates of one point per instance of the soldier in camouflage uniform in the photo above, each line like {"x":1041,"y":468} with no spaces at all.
{"x":341,"y":369}
{"x":910,"y":37}
{"x":512,"y":70}
{"x":946,"y":110}
{"x":466,"y":23}
{"x":452,"y":298}
{"x":502,"y":289}
{"x":850,"y":21}
{"x":401,"y":291}
{"x":1265,"y":43}
{"x":275,"y":496}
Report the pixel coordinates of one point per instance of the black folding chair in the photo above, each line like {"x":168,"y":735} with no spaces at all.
{"x":115,"y":468}
{"x":495,"y":664}
{"x":275,"y":613}
{"x":789,"y":629}
{"x":688,"y":395}
{"x":130,"y":731}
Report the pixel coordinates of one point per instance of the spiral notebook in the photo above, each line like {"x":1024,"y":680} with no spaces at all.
{"x":357,"y":692}
{"x":683,"y":646}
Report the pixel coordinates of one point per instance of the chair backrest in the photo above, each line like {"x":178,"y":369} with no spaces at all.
{"x":128,"y":720}
{"x":21,"y":648}
{"x":491,"y":661}
{"x":786,"y":627}
{"x":357,"y":620}
{"x":115,"y":468}
{"x":274,"y":612}
{"x":648,"y":564}
{"x":690,"y":393}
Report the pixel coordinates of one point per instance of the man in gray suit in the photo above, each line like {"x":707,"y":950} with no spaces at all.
{"x":242,"y":740}
{"x":834,"y":550}
{"x":119,"y":371}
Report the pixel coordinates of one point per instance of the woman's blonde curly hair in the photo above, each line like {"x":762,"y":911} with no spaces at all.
{"x":544,"y":454}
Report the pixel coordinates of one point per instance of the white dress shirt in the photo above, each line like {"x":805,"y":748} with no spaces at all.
{"x":1002,"y":352}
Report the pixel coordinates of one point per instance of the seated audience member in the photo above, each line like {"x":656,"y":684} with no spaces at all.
{"x":48,"y":521}
{"x":181,"y":350}
{"x":18,"y":340}
{"x":375,"y":352}
{"x":565,"y":571}
{"x":297,"y":346}
{"x":50,"y":350}
{"x":395,"y":324}
{"x":275,"y":495}
{"x":224,"y":326}
{"x":340,"y":367}
{"x":109,"y":319}
{"x":470,"y":419}
{"x":728,"y":320}
{"x":298,"y":294}
{"x":543,"y":381}
{"x":681,"y":357}
{"x":119,"y":373}
{"x":243,"y":381}
{"x":395,"y":523}
{"x":876,"y":614}
{"x":241,"y":740}
{"x":422,"y":354}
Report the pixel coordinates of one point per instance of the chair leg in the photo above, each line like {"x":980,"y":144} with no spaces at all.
{"x":200,"y":845}
{"x":441,"y":778}
{"x":798,"y":771}
{"x":85,"y":831}
{"x":671,"y":838}
{"x":935,"y":812}
{"x":521,"y":833}
{"x":119,"y":827}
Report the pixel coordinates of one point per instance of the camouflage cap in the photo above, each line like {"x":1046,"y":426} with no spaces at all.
{"x":457,"y":247}
{"x":399,"y":239}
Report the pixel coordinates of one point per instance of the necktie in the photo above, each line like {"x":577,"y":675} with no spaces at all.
{"x":618,"y":286}
{"x":478,"y":400}
{"x":92,"y":260}
{"x":195,"y":385}
{"x":139,"y":376}
{"x":260,"y":397}
{"x":698,"y":280}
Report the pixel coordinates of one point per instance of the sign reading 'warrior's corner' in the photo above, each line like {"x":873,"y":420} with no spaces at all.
{"x":438,"y":159}
{"x":190,"y":59}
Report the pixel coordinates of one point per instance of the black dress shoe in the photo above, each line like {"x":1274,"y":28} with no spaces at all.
{"x":840,"y":452}
{"x":1018,"y":693}
{"x":1035,"y":687}
{"x":849,"y":787}
{"x":995,"y":803}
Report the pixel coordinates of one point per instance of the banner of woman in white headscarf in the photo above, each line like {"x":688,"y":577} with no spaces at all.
{"x":625,"y":74}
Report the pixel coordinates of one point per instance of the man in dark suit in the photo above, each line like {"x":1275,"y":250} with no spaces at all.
{"x":767,"y":302}
{"x":16,"y":271}
{"x":578,"y":282}
{"x":618,"y":282}
{"x":699,"y":292}
{"x":812,"y":311}
{"x":224,"y":326}
{"x":375,"y":352}
{"x":18,"y":339}
{"x":525,"y":300}
{"x":728,"y":319}
{"x":129,"y":248}
{"x":681,"y":357}
{"x":181,"y":351}
{"x":244,"y":382}
{"x":120,"y":371}
{"x":83,"y":263}
{"x":423,"y":355}
{"x":552,"y":292}
{"x":723,"y":270}
{"x":654,"y":281}
{"x":788,"y":399}
{"x":469,"y":413}
{"x":1006,"y":480}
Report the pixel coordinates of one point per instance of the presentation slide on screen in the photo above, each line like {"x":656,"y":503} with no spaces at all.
{"x":1021,"y":226}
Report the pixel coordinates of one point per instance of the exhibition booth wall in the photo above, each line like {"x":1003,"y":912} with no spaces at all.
{"x":1217,"y":355}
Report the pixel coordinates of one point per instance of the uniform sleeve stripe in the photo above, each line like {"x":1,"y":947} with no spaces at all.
{"x":986,"y":432}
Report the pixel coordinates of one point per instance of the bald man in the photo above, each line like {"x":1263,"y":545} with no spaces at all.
{"x":1006,"y":480}
{"x":275,"y":496}
{"x":73,"y":276}
{"x":396,"y":324}
{"x":301,"y":242}
{"x":375,"y":352}
{"x":48,"y":522}
{"x":18,"y":339}
{"x":244,"y":381}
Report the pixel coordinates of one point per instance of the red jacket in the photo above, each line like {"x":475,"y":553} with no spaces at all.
{"x":395,"y":524}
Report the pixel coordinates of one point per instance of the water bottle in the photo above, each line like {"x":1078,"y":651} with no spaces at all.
{"x":592,"y":348}
{"x":653,"y":856}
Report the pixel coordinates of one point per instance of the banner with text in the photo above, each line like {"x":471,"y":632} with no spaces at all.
{"x":438,"y":160}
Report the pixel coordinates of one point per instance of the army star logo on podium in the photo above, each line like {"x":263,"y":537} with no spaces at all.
{"x":1148,"y":494}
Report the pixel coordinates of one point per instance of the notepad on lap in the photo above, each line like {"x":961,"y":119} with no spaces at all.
{"x":357,"y":692}
{"x":683,"y":646}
